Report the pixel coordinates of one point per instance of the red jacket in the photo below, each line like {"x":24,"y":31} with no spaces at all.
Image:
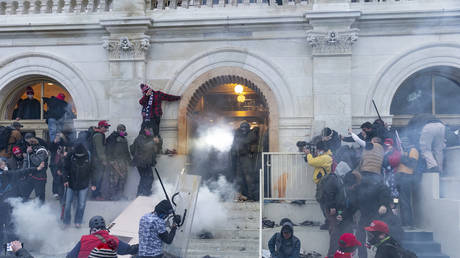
{"x":89,"y":242}
{"x":158,"y":97}
{"x":340,"y":254}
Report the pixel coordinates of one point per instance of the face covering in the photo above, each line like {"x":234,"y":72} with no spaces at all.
{"x":30,"y":96}
{"x":148,"y":133}
{"x":123,"y":134}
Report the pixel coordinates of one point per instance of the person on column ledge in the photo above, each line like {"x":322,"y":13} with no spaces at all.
{"x":151,"y":106}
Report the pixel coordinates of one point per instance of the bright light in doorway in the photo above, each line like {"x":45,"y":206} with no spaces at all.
{"x":238,"y":89}
{"x":50,"y":83}
{"x":241,"y":98}
{"x":219,"y":137}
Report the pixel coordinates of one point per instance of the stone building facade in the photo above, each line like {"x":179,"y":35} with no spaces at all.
{"x":316,"y":62}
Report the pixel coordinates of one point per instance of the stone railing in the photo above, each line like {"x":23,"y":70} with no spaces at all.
{"x":21,"y":7}
{"x":173,"y":4}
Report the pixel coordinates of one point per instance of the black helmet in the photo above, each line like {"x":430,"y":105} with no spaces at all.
{"x":97,"y":222}
{"x":164,"y":207}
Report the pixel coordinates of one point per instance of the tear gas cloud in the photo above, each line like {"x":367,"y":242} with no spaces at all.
{"x":39,"y":228}
{"x":219,"y":136}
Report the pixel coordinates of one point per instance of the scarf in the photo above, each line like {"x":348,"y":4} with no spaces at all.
{"x":147,"y":110}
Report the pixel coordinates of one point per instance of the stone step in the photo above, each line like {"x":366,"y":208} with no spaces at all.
{"x":432,"y":255}
{"x":422,"y":246}
{"x":449,"y":187}
{"x":418,"y":236}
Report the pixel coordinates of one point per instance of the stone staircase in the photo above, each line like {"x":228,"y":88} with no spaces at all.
{"x":238,"y":237}
{"x":422,"y":243}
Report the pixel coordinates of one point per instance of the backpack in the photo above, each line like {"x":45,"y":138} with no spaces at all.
{"x":86,"y":139}
{"x":320,"y":192}
{"x":5,"y":133}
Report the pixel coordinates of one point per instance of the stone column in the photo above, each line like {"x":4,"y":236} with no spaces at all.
{"x":331,"y":40}
{"x":127,"y":49}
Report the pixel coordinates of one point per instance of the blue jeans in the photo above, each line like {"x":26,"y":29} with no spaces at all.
{"x":53,"y":128}
{"x":81,"y":204}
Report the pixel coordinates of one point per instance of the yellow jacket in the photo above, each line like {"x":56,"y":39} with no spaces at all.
{"x":322,"y":165}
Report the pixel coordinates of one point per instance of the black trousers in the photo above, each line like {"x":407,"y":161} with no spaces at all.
{"x":154,"y":123}
{"x":32,"y":184}
{"x":146,"y":181}
{"x":58,"y":184}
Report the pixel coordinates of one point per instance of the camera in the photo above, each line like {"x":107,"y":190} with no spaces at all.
{"x":303,"y":145}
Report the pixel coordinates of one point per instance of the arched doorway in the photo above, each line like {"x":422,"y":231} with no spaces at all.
{"x":434,"y":90}
{"x":40,"y":87}
{"x":214,"y":112}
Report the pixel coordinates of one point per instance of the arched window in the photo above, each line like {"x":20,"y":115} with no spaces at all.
{"x":434,"y":90}
{"x":42,"y":87}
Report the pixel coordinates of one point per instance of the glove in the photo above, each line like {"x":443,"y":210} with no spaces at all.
{"x":177,"y":219}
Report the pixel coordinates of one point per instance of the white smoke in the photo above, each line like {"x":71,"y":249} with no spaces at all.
{"x":39,"y":228}
{"x":219,"y":136}
{"x":210,"y":209}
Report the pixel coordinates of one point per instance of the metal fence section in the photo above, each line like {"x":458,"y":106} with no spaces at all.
{"x":286,"y":176}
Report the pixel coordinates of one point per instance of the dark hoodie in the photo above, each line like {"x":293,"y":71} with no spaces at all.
{"x":387,"y":248}
{"x":78,"y":168}
{"x":56,"y":107}
{"x":284,"y":248}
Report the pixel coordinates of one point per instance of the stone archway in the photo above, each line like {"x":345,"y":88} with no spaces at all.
{"x":225,"y":75}
{"x":46,"y":65}
{"x":395,"y":72}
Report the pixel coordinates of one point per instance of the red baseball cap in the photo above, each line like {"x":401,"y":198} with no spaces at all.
{"x":103,"y":123}
{"x":378,"y":226}
{"x":388,"y":141}
{"x":16,"y":150}
{"x":348,"y":240}
{"x":144,"y":87}
{"x":61,"y":96}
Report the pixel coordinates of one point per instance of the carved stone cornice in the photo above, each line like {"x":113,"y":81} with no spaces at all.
{"x":126,"y":49}
{"x":332,"y":42}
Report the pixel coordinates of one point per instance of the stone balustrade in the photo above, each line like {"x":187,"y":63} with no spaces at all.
{"x":173,"y":4}
{"x":28,"y":7}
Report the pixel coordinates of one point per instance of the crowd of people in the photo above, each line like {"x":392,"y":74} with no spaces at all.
{"x":94,"y":164}
{"x":375,"y":178}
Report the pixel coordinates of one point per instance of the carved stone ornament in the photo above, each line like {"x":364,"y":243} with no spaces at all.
{"x":126,"y":49}
{"x":333,"y":42}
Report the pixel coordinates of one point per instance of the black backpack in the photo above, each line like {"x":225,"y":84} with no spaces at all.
{"x":5,"y":133}
{"x":86,"y":139}
{"x":322,"y":183}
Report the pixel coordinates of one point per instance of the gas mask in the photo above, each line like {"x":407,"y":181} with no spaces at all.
{"x":245,"y":128}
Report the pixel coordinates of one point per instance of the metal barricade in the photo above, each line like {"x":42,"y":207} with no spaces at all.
{"x":286,"y":176}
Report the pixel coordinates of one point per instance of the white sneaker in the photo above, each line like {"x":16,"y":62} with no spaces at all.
{"x":56,"y":196}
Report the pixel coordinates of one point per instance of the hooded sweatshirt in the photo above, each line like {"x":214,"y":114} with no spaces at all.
{"x":78,"y":168}
{"x":284,"y":248}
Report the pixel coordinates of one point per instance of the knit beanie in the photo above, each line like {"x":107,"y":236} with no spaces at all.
{"x":104,"y":250}
{"x":144,"y":87}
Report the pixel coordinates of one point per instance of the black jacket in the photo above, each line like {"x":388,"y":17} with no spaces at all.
{"x":77,"y":170}
{"x":340,"y":197}
{"x":284,"y":248}
{"x":33,"y":160}
{"x":56,"y":107}
{"x":388,"y":249}
{"x":394,"y":224}
{"x":29,"y":109}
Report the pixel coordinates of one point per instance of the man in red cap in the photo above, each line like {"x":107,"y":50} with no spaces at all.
{"x":59,"y":112}
{"x":99,"y":157}
{"x":151,"y":106}
{"x":29,"y":108}
{"x":347,"y":246}
{"x":391,"y":160}
{"x":378,"y":236}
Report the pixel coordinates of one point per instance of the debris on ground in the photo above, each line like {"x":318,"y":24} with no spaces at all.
{"x":205,"y":235}
{"x":312,"y":254}
{"x":309,"y":223}
{"x":298,"y":202}
{"x":266,"y":223}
